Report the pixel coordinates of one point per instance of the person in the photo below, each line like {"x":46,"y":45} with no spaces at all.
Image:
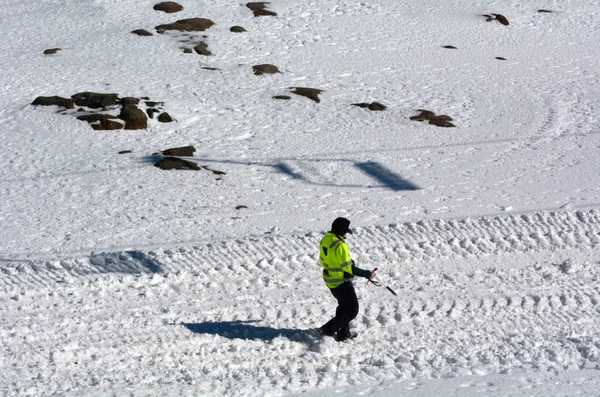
{"x":338,"y":272}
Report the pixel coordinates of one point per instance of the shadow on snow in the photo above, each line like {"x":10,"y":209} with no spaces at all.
{"x":245,"y":330}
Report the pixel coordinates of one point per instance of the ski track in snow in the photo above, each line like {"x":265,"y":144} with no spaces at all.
{"x":196,"y":318}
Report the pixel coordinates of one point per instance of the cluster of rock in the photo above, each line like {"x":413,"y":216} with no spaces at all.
{"x":191,"y":43}
{"x":107,"y":111}
{"x":441,"y":120}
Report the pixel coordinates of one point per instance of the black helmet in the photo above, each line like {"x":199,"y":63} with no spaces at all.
{"x":341,"y":226}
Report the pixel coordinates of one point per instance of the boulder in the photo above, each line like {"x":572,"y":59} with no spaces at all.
{"x":259,"y":9}
{"x":187,"y":25}
{"x":502,"y":19}
{"x":441,"y":120}
{"x":202,"y":49}
{"x":237,"y":29}
{"x":174,"y":163}
{"x":265,"y":69}
{"x":142,"y":32}
{"x":95,"y":100}
{"x":375,"y":106}
{"x":165,"y":117}
{"x":310,"y":93}
{"x":108,"y":124}
{"x":134,"y":118}
{"x":168,"y":6}
{"x":185,"y":151}
{"x":67,"y":103}
{"x":283,"y":97}
{"x":51,"y":51}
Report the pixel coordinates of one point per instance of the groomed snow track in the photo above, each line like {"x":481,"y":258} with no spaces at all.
{"x":421,"y":241}
{"x":476,"y":296}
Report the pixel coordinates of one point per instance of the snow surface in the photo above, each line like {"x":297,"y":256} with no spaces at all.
{"x":120,"y":279}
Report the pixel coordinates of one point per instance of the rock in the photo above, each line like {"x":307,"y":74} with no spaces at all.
{"x":501,"y":58}
{"x":450,"y":47}
{"x":237,"y":29}
{"x":310,"y":93}
{"x":165,"y":117}
{"x":125,"y":151}
{"x":424,"y":115}
{"x":142,"y":32}
{"x":51,"y":51}
{"x":108,"y":124}
{"x":66,"y":103}
{"x":441,"y":120}
{"x":284,"y":97}
{"x":135,"y":119}
{"x":174,"y":163}
{"x":153,"y":103}
{"x":502,"y":19}
{"x":209,"y":68}
{"x":95,"y":100}
{"x":187,"y":25}
{"x":258,"y":8}
{"x":239,"y":207}
{"x":375,"y":106}
{"x":185,"y":151}
{"x":168,"y":6}
{"x":129,"y":101}
{"x":95,"y":117}
{"x":202,"y":49}
{"x":545,"y":11}
{"x":265,"y":69}
{"x":188,"y":51}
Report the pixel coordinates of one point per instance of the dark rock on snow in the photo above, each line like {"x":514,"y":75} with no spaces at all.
{"x":440,"y":120}
{"x":259,"y":9}
{"x":265,"y":69}
{"x":66,"y":103}
{"x":168,"y":6}
{"x":310,"y":93}
{"x":142,"y":32}
{"x":375,"y":106}
{"x":202,"y":49}
{"x":51,"y":51}
{"x":165,"y":117}
{"x":95,"y":100}
{"x":284,"y":97}
{"x":135,"y":119}
{"x":237,"y":29}
{"x":174,"y":163}
{"x":187,"y":25}
{"x":185,"y":151}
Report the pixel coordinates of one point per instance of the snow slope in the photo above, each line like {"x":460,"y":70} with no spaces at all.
{"x":117,"y":278}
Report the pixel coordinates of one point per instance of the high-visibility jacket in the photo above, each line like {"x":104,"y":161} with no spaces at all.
{"x":334,"y":256}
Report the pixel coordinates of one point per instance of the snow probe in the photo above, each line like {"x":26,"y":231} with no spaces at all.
{"x":379,"y":283}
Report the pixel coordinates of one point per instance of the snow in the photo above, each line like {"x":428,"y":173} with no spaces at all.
{"x":120,"y":279}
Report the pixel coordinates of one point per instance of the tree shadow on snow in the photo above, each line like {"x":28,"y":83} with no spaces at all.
{"x":245,"y":330}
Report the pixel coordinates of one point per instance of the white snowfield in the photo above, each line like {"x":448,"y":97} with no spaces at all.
{"x":121,"y":279}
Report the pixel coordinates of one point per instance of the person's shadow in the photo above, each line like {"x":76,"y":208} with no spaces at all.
{"x":245,"y":330}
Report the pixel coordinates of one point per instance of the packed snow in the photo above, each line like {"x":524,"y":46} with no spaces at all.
{"x":118,"y":278}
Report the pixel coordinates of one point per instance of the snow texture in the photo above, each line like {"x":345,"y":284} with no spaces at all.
{"x":121,"y":279}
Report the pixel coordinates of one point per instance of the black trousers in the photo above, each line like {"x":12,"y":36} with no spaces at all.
{"x":346,"y":311}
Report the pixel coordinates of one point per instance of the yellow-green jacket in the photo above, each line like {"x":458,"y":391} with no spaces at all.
{"x":334,"y":256}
